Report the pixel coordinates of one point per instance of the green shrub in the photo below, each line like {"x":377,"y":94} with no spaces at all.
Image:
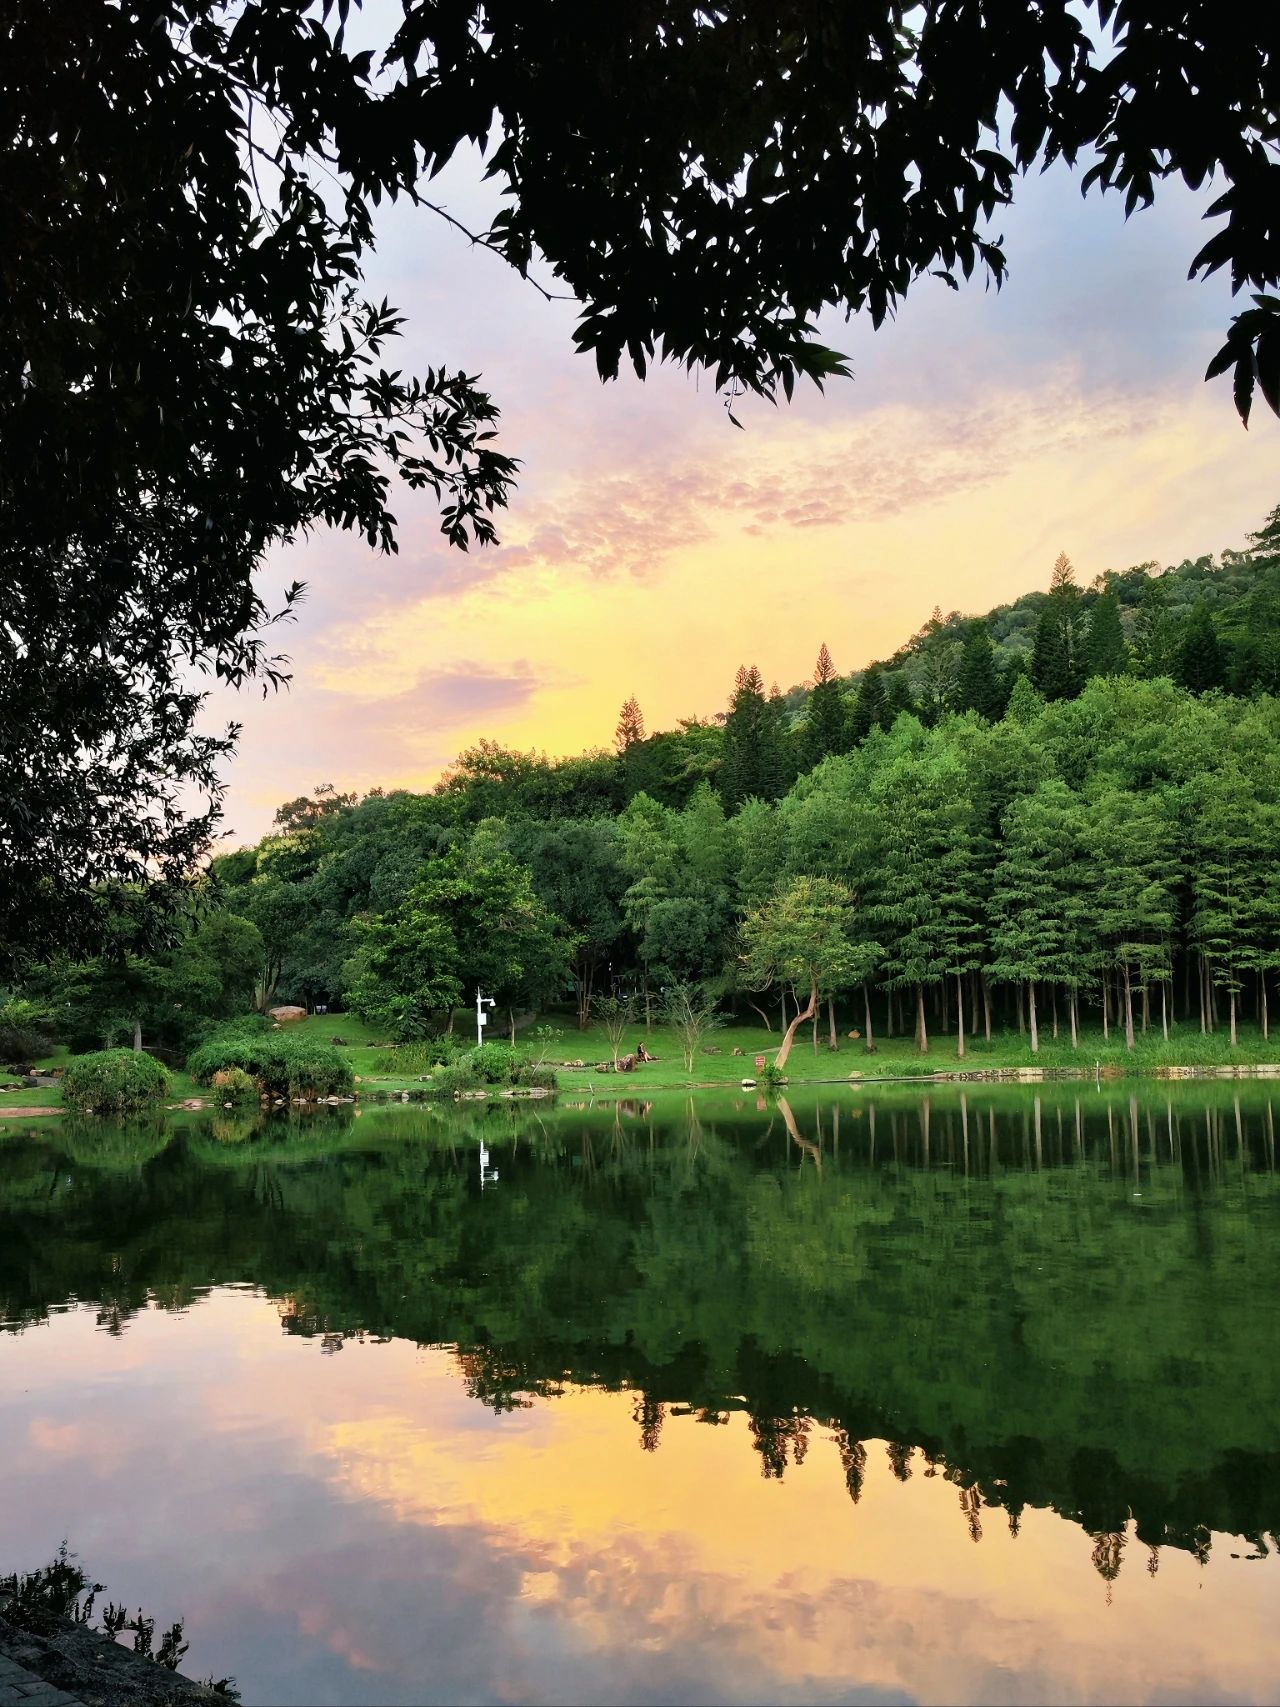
{"x":234,"y":1082}
{"x":282,"y":1065}
{"x":771,"y":1075}
{"x":494,"y":1064}
{"x":460,"y":1076}
{"x":405,"y":1059}
{"x":113,"y":1081}
{"x":26,"y":1032}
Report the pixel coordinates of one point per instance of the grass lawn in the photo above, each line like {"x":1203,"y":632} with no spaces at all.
{"x":376,"y":1065}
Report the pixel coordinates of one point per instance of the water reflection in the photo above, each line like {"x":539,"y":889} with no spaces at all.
{"x":885,"y":1395}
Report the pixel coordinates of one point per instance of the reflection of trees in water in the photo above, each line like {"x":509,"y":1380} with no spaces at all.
{"x":649,"y":1414}
{"x":972,"y":1311}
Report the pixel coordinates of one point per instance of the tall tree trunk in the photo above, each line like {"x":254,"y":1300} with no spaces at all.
{"x":959,"y":1017}
{"x":1200,"y":981}
{"x":802,"y":1014}
{"x":137,"y":1037}
{"x":1075,"y":1023}
{"x":815,"y":1030}
{"x":986,"y":1008}
{"x":511,"y":1025}
{"x":1053,"y":998}
{"x":922,"y":1030}
{"x":768,"y":1023}
{"x":831,"y":1023}
{"x":1031,"y":1014}
{"x":1231,"y":995}
{"x":866,"y":1005}
{"x":1164,"y":1010}
{"x":1128,"y":1006}
{"x":1262,"y":980}
{"x":1146,"y":1007}
{"x":1106,"y":1010}
{"x":945,"y":1007}
{"x":1022,"y":1024}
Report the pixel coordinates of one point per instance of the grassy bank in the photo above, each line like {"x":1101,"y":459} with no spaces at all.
{"x":382,"y":1070}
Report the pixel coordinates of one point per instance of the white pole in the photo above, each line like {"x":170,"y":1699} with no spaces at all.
{"x":479,"y":1019}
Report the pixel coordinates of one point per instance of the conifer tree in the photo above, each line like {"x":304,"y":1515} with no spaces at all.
{"x":897,"y":698}
{"x":1038,"y":906}
{"x":979,"y":687}
{"x":1152,"y":631}
{"x":1201,"y":664}
{"x":756,"y":760}
{"x":1107,"y":653}
{"x":1134,"y":871}
{"x":1228,"y":907}
{"x":870,"y":710}
{"x":630,"y":728}
{"x":1057,"y":658}
{"x":825,"y":730}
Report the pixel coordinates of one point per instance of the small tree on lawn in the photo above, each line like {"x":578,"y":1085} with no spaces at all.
{"x":691,"y":1013}
{"x":803,"y":936}
{"x":617,"y":1014}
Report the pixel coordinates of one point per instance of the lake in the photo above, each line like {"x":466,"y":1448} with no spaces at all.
{"x":907,"y":1396}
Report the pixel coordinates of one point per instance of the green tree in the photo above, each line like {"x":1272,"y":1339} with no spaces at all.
{"x":1058,"y":656}
{"x":870,"y":710}
{"x":1153,"y":642}
{"x":1107,"y":653}
{"x":755,"y":764}
{"x":1201,"y":663}
{"x":826,"y":726}
{"x":1134,"y":872}
{"x":1039,"y":902}
{"x":979,"y":687}
{"x":803,"y":937}
{"x":630,"y":728}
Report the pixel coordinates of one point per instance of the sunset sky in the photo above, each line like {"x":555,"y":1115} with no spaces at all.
{"x":652,"y":548}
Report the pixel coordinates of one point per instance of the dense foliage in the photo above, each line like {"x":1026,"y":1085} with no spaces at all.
{"x":1061,"y":820}
{"x":967,"y":1277}
{"x":113,"y":1081}
{"x":278,"y":1063}
{"x":191,"y":373}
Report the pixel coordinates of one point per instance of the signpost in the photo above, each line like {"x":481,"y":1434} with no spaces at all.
{"x":482,"y":1018}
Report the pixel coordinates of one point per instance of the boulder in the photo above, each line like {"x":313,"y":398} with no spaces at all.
{"x":286,"y":1015}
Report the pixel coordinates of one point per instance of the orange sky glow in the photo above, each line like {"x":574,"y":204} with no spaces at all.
{"x":652,"y":548}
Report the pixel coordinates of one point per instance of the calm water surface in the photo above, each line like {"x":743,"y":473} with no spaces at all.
{"x":931,"y":1397}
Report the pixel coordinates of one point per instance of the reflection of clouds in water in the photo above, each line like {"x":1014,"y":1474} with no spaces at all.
{"x":354,"y":1529}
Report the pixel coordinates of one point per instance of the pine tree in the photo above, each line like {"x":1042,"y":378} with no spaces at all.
{"x":825,"y":730}
{"x":979,"y":687}
{"x":1152,"y":639}
{"x":1107,"y":653}
{"x":756,"y":758}
{"x":1026,"y":702}
{"x":1057,"y":658}
{"x":630,"y":728}
{"x":897,"y":698}
{"x":870,"y":710}
{"x":1201,"y":665}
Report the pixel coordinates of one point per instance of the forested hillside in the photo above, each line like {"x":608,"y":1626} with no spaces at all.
{"x":1065,"y":814}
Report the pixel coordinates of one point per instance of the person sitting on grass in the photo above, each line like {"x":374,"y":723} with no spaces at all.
{"x":642,"y":1054}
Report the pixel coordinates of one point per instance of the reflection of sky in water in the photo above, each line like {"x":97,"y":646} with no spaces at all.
{"x":354,"y":1528}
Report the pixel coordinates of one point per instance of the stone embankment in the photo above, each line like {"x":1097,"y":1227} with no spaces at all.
{"x":77,"y":1666}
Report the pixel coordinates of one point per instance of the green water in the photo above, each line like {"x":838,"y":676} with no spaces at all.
{"x":916,"y":1396}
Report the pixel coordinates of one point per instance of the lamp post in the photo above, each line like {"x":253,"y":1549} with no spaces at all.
{"x":482,"y":1018}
